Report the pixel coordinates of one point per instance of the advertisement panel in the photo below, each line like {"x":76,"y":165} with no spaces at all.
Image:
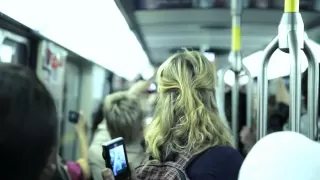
{"x":50,"y":69}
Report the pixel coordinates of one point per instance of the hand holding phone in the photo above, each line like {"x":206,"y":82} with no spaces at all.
{"x":107,"y":174}
{"x":115,"y":156}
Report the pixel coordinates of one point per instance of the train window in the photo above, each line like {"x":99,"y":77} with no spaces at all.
{"x":6,"y":53}
{"x":13,"y":51}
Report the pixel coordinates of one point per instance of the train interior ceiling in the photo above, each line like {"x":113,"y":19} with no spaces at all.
{"x":105,"y":49}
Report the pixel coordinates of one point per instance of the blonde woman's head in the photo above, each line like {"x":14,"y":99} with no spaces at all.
{"x":124,"y":115}
{"x":186,"y":119}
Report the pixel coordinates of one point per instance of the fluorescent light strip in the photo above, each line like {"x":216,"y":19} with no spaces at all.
{"x":95,"y":30}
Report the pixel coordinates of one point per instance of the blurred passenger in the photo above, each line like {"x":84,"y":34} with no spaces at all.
{"x":28,"y":125}
{"x":278,"y":114}
{"x":242,"y":112}
{"x":282,"y":156}
{"x":187,"y":131}
{"x":124,"y":117}
{"x":80,"y":170}
{"x":304,"y":119}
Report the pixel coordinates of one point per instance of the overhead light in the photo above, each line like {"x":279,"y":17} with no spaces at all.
{"x":229,"y":78}
{"x":210,"y":56}
{"x":279,"y":64}
{"x":99,"y":35}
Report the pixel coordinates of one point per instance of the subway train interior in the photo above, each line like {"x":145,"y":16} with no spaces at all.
{"x":85,"y":50}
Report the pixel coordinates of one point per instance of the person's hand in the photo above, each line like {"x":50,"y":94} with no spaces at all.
{"x":247,"y":136}
{"x":107,"y":174}
{"x":140,"y":87}
{"x":282,"y":93}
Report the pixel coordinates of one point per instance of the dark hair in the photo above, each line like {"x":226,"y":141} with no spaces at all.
{"x":304,"y":87}
{"x":28,"y":124}
{"x":97,"y":119}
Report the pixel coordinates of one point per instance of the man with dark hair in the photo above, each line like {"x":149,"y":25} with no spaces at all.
{"x":28,"y":125}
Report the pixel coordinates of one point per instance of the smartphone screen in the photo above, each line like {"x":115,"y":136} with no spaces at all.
{"x":74,"y":117}
{"x":114,"y":154}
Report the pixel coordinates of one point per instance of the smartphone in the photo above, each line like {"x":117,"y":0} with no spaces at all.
{"x":74,"y":117}
{"x":115,"y":157}
{"x":152,"y":88}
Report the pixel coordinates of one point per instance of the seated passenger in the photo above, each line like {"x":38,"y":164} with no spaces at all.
{"x":282,"y":156}
{"x":28,"y":125}
{"x":186,"y":131}
{"x":124,"y":117}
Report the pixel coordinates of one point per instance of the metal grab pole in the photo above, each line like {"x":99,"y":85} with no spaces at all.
{"x":313,"y":78}
{"x":249,"y":97}
{"x":235,"y":59}
{"x":235,"y":110}
{"x":290,"y":39}
{"x":295,"y":82}
{"x":263,"y":89}
{"x":221,"y":91}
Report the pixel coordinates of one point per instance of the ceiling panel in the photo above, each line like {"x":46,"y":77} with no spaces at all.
{"x":164,"y":30}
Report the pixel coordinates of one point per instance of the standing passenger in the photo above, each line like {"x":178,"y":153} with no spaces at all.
{"x":186,"y":125}
{"x":124,"y":117}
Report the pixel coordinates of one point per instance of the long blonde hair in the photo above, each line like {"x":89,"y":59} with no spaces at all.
{"x":186,"y":118}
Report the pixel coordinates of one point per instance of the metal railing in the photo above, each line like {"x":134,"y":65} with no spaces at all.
{"x":291,"y":39}
{"x":236,"y":66}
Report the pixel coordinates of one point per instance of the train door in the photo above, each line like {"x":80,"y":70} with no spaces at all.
{"x":71,"y":103}
{"x":13,"y":48}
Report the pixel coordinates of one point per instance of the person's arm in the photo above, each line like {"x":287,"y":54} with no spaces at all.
{"x":84,"y":147}
{"x":248,"y":137}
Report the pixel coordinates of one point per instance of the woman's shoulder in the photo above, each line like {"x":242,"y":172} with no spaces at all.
{"x":221,"y":154}
{"x":220,"y":162}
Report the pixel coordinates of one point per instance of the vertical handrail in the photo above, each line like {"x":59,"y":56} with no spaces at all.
{"x":222,"y":91}
{"x":235,"y":59}
{"x":249,"y":97}
{"x":290,"y":39}
{"x":295,"y":82}
{"x":263,"y":89}
{"x":235,"y":110}
{"x":313,"y":78}
{"x":291,"y":6}
{"x":236,"y":67}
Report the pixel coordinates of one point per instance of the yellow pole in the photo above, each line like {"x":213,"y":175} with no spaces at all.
{"x":236,"y":38}
{"x":291,"y":6}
